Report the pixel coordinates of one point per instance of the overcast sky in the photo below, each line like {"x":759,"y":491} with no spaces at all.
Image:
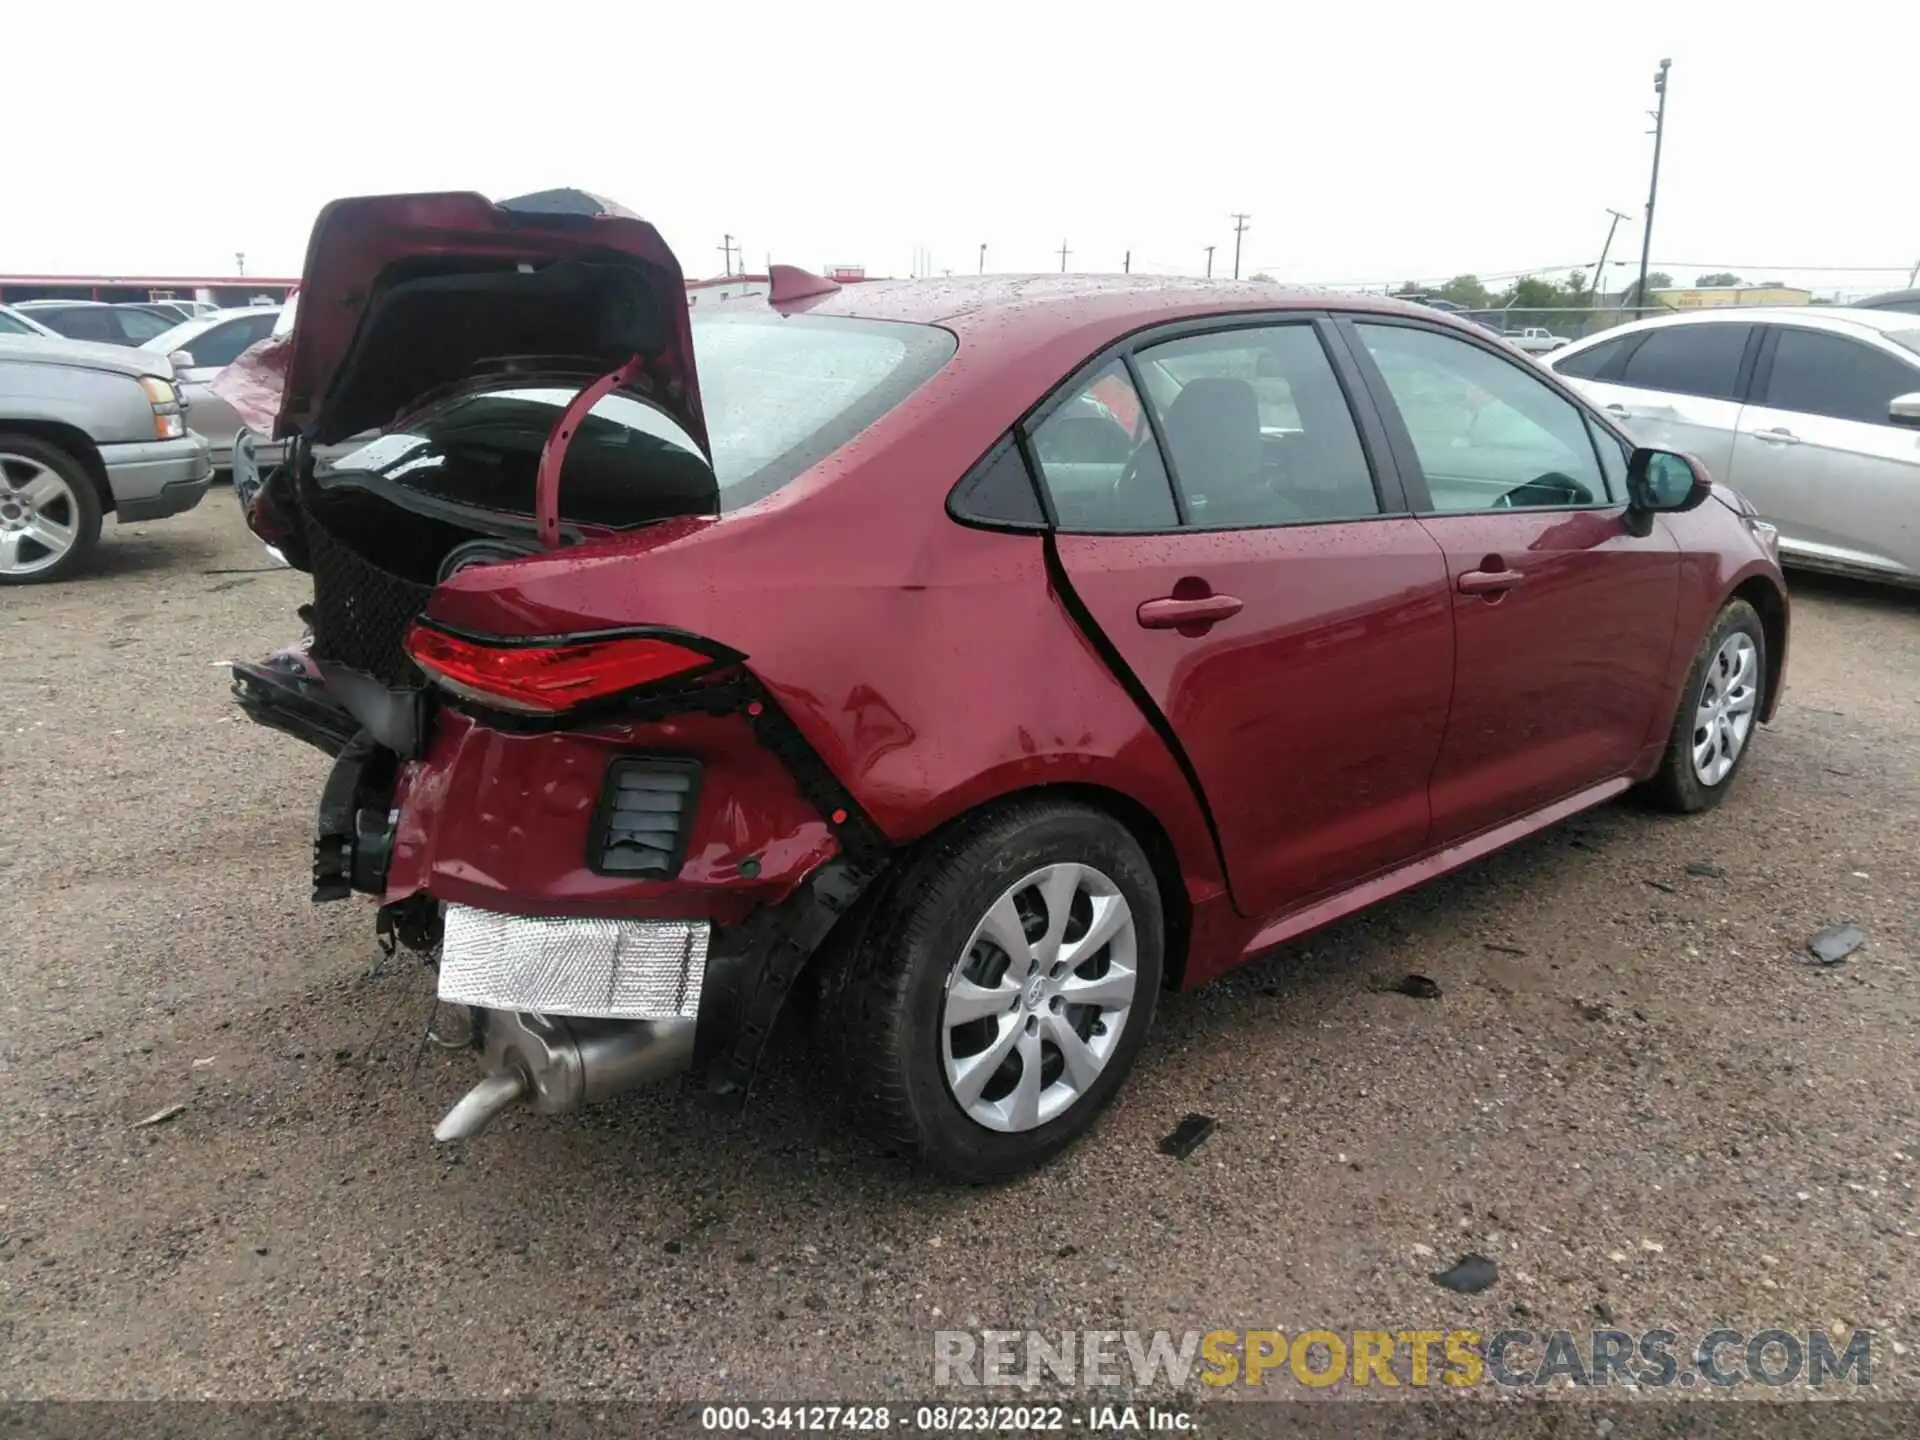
{"x":1369,"y":142}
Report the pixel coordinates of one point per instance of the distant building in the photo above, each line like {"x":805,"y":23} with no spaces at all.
{"x":1715,"y":297}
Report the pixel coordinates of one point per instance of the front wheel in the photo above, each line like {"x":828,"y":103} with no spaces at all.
{"x":1719,"y":710}
{"x":49,"y":512}
{"x":1001,"y":990}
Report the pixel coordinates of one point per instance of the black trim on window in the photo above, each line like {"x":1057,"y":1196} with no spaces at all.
{"x":1758,"y":364}
{"x":1182,"y":517}
{"x":1388,"y":486}
{"x":1000,"y":492}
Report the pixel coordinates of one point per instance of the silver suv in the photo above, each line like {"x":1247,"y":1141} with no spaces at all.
{"x":85,"y":429}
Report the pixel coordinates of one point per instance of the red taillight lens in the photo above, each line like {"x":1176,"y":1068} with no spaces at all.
{"x":551,"y":678}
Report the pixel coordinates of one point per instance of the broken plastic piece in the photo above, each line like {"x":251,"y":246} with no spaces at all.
{"x":1468,"y":1275}
{"x":1835,"y":943}
{"x":1188,"y":1136}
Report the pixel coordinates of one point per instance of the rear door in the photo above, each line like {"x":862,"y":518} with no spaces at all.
{"x":1817,"y":457}
{"x":1564,"y":617}
{"x":1258,"y":577}
{"x":1673,"y":386}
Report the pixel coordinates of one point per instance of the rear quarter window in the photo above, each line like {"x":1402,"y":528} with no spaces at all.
{"x":1699,"y":359}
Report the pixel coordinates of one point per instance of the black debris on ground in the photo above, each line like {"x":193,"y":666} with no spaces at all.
{"x":1469,"y":1275}
{"x":1188,"y":1136}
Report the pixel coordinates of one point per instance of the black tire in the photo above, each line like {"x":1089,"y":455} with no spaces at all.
{"x":84,"y":508}
{"x":1676,"y":786}
{"x":884,"y":992}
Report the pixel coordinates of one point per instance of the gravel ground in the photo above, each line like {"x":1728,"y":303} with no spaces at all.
{"x":1634,"y":1092}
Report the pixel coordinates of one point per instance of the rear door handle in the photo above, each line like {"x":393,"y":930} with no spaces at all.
{"x":1619,"y":410}
{"x":1488,"y":582}
{"x":1168,"y":613}
{"x":1778,"y":435}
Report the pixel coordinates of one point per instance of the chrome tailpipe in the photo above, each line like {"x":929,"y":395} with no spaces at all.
{"x":553,"y":1064}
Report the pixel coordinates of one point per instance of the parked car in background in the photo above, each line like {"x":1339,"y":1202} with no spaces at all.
{"x":199,"y":350}
{"x":1535,"y":340}
{"x":18,"y":322}
{"x":173,"y":311}
{"x":1905,"y":301}
{"x":96,"y":320}
{"x":86,"y":430}
{"x":1812,"y":413}
{"x":640,"y":678}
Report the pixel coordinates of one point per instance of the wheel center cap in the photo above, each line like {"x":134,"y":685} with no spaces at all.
{"x":1036,"y":992}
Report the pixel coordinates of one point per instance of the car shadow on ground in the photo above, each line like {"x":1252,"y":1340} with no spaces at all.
{"x":1860,"y":594}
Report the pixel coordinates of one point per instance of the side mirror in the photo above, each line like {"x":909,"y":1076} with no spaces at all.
{"x":182,"y":360}
{"x":1663,"y":481}
{"x":1904,"y":410}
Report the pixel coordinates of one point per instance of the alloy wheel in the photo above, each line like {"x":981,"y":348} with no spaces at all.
{"x":1036,"y":1003}
{"x":39,"y":515}
{"x":1723,"y":718}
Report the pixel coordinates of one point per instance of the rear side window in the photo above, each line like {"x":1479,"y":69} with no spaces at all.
{"x":1689,"y":360}
{"x":1099,"y":462}
{"x":1588,"y":364}
{"x":1258,"y":428}
{"x":1820,"y":374}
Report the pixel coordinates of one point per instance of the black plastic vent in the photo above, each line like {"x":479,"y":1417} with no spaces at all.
{"x":647,"y":807}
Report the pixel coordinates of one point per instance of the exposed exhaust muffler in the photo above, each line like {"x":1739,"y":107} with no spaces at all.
{"x":553,"y":1064}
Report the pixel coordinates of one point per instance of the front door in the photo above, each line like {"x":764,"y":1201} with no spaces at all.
{"x":1291,"y":629}
{"x":1563,"y":617}
{"x":1817,"y":457}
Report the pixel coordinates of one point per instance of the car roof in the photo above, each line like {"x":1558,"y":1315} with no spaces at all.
{"x":1826,"y":317}
{"x":1016,"y":313}
{"x":197,"y":325}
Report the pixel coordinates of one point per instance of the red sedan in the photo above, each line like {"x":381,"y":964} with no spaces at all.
{"x":988,"y":656}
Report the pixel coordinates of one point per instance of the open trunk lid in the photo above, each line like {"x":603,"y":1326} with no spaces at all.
{"x":403,"y":296}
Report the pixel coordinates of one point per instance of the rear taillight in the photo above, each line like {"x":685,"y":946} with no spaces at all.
{"x":548,"y":677}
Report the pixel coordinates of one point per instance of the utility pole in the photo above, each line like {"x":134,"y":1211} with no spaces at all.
{"x":1600,"y":270}
{"x":1126,"y":263}
{"x":1210,"y":262}
{"x":983,"y":257}
{"x":1064,"y":252}
{"x":727,"y":247}
{"x":1653,"y":188}
{"x":240,"y":262}
{"x":1913,"y":274}
{"x":1239,"y":229}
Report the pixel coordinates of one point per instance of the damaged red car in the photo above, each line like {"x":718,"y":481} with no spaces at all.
{"x":987,"y":657}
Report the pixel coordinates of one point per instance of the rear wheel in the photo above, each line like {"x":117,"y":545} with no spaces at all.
{"x":1001,"y":990}
{"x":49,"y":512}
{"x":1719,"y":711}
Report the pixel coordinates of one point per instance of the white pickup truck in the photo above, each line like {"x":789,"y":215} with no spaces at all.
{"x":1534,"y":340}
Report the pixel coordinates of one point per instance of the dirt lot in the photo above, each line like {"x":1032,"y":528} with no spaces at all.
{"x":1634,"y":1092}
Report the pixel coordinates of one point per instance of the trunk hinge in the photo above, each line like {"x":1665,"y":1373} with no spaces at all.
{"x":553,"y":454}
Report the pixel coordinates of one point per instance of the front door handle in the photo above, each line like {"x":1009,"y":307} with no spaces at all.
{"x":1617,"y":410}
{"x":1488,"y":582}
{"x":1170,"y":612}
{"x":1778,"y":435}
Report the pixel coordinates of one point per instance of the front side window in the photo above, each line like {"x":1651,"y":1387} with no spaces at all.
{"x":1258,"y":428}
{"x":1701,"y":359}
{"x":141,"y":325}
{"x":1488,"y":435}
{"x":1820,"y":374}
{"x":1099,"y":462}
{"x":11,"y":325}
{"x":220,"y":345}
